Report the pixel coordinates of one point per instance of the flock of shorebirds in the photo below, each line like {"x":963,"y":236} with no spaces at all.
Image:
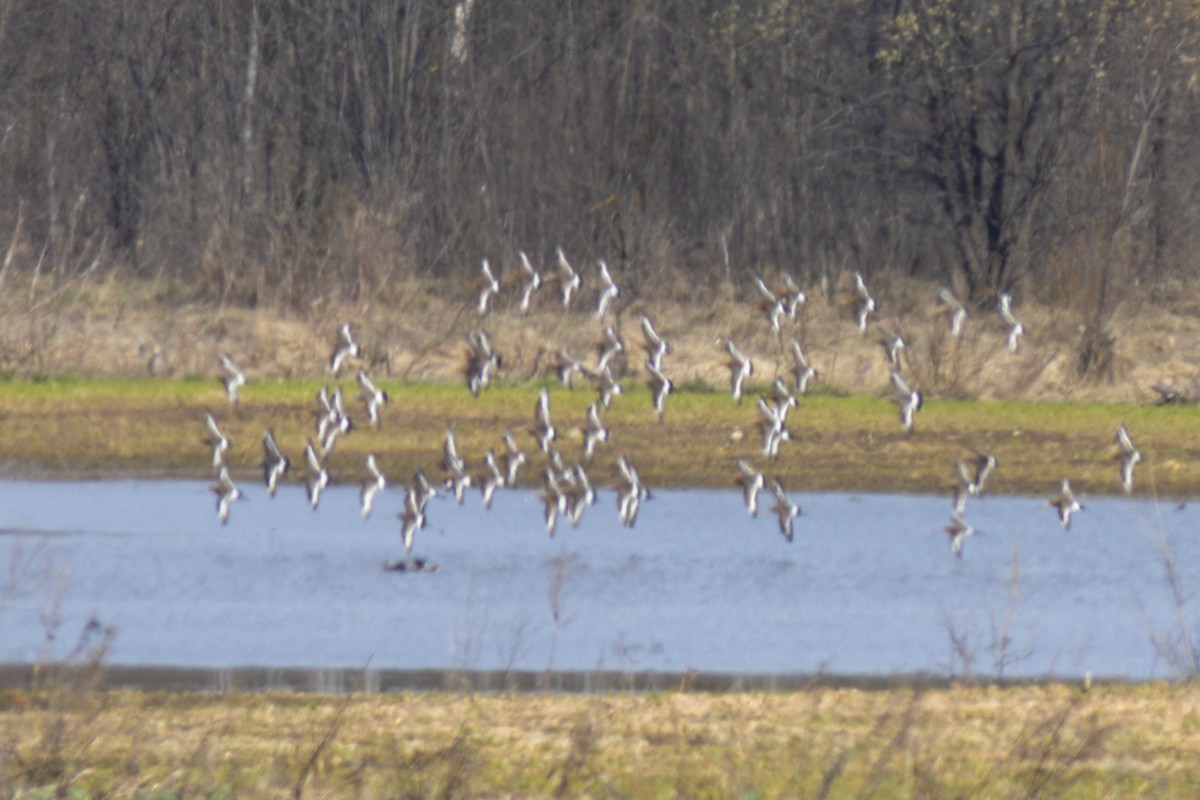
{"x":567,"y":488}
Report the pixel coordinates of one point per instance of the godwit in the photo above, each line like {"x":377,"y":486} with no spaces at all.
{"x":908,"y":400}
{"x":656,"y":346}
{"x":609,"y":291}
{"x":511,"y":459}
{"x":802,"y":371}
{"x":533,"y":282}
{"x":785,"y":509}
{"x":491,"y":287}
{"x":317,"y":477}
{"x":959,"y":530}
{"x":543,"y":428}
{"x":346,"y":348}
{"x":226,"y":493}
{"x":1015,"y":329}
{"x":974,"y":473}
{"x":769,"y":304}
{"x":630,"y":492}
{"x":1129,"y":455}
{"x":373,"y":485}
{"x":594,"y":431}
{"x":956,"y":310}
{"x":568,"y":279}
{"x":864,"y":303}
{"x":372,"y":396}
{"x":275,"y":464}
{"x":1066,"y":504}
{"x":752,"y":482}
{"x":491,"y":479}
{"x":217,"y":441}
{"x":412,"y":518}
{"x":233,"y":377}
{"x":608,"y":349}
{"x":740,"y":368}
{"x":660,"y":386}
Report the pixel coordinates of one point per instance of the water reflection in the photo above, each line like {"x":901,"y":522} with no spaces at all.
{"x":868,"y":587}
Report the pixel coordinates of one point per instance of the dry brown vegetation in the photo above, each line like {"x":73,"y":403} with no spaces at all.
{"x":1035,"y":741}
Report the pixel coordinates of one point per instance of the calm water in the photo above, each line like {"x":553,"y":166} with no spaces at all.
{"x":868,"y":587}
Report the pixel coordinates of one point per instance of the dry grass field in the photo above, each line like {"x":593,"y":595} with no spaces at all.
{"x":1020,"y":741}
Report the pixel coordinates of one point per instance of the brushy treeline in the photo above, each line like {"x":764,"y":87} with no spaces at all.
{"x":277,"y":151}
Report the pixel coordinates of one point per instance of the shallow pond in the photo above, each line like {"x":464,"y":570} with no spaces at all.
{"x":869,"y":586}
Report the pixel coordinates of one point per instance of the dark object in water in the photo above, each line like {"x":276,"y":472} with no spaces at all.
{"x":412,"y":565}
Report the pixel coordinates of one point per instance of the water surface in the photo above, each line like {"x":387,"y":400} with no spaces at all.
{"x":869,"y":586}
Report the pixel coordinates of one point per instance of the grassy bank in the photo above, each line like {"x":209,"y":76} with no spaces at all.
{"x":99,"y":427}
{"x":1038,"y":741}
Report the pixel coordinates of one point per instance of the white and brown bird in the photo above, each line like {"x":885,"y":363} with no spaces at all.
{"x":958,"y":530}
{"x":482,"y":360}
{"x":372,"y":486}
{"x":345,"y":349}
{"x":862,"y":302}
{"x":770,"y":304}
{"x":656,"y":346}
{"x":1015,"y":329}
{"x":275,"y":464}
{"x":660,"y":386}
{"x":543,"y":427}
{"x":511,"y":459}
{"x":232,"y":377}
{"x":974,"y":473}
{"x":595,"y":432}
{"x":489,"y":289}
{"x":609,"y":291}
{"x":1129,"y":456}
{"x":740,"y":369}
{"x":907,"y":399}
{"x":217,"y":441}
{"x":568,"y":279}
{"x":752,"y":483}
{"x":784,"y":509}
{"x":533,"y":282}
{"x":802,"y":371}
{"x":951,"y":307}
{"x":372,"y":397}
{"x":227,"y":492}
{"x":412,"y":518}
{"x":1066,"y":504}
{"x":317,"y":476}
{"x":630,"y":492}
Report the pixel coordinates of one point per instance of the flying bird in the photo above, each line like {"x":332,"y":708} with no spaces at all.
{"x":609,"y":291}
{"x":958,"y":530}
{"x":233,"y":377}
{"x":275,"y":464}
{"x":785,"y":509}
{"x":752,"y":483}
{"x":491,"y":287}
{"x":1015,"y":329}
{"x":227,"y":492}
{"x":568,"y":279}
{"x":373,"y":485}
{"x":1066,"y":504}
{"x":740,"y":368}
{"x":345,"y":349}
{"x":372,"y":396}
{"x":217,"y":441}
{"x":533,"y":282}
{"x":956,"y":310}
{"x":1129,"y":456}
